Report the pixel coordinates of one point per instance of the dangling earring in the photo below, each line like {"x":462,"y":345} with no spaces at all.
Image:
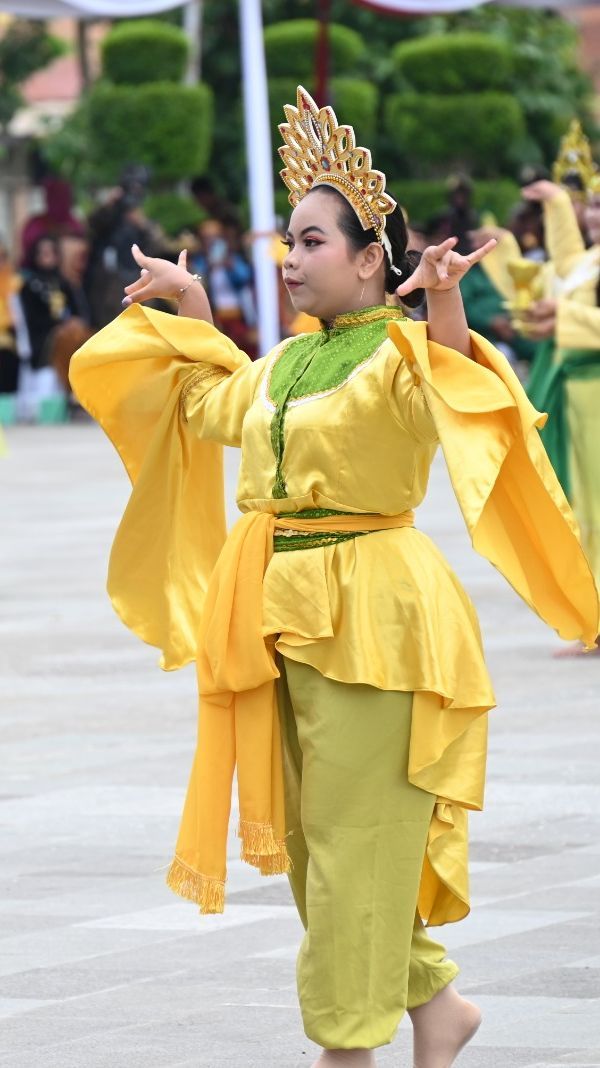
{"x":362,"y":293}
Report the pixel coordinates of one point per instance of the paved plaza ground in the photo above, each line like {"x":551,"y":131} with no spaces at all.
{"x":100,"y":965}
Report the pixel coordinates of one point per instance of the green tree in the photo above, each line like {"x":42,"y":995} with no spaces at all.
{"x":454,"y":110}
{"x":25,"y":48}
{"x":547,"y":79}
{"x":138,"y":112}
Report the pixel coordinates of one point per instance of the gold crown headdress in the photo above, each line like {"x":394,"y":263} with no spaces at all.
{"x":574,"y":159}
{"x":318,"y":151}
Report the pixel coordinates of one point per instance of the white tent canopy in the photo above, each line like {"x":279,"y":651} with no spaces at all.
{"x":116,"y":9}
{"x":111,"y":9}
{"x":128,"y":9}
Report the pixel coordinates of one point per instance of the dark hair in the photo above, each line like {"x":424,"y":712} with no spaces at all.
{"x":30,"y":260}
{"x":395,"y":228}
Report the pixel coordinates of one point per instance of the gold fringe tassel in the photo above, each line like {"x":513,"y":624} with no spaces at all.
{"x":280,"y":864}
{"x":261,"y":849}
{"x":205,"y":891}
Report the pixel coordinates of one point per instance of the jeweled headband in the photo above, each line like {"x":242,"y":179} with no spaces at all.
{"x":318,"y":151}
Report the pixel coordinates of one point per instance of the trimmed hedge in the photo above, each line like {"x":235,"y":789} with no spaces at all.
{"x":424,"y":199}
{"x":290,"y":48}
{"x":354,"y":102}
{"x":433,"y":134}
{"x":455,"y":63}
{"x":174,"y":212}
{"x":167,"y":127}
{"x":145,"y":50}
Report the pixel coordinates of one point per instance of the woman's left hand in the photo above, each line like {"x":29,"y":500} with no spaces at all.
{"x":441,"y":268}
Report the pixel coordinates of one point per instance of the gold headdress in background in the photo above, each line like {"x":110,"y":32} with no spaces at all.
{"x":318,"y":151}
{"x":574,"y":166}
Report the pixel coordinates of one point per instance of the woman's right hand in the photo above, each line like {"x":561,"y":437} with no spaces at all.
{"x":158,"y":278}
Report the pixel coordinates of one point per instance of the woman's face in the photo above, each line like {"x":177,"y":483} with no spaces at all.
{"x":46,"y":258}
{"x":320,"y":271}
{"x":592,"y":219}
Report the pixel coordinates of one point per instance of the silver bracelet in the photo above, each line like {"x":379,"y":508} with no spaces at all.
{"x":184,"y":289}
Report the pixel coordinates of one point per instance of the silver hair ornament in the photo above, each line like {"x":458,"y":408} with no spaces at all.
{"x":385,"y":241}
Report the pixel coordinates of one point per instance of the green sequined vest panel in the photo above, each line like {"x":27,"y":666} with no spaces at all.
{"x":320,"y":363}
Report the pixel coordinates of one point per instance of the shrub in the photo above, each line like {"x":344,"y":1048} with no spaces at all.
{"x":290,"y":49}
{"x":454,"y":63}
{"x":173,"y":212}
{"x":424,"y":199}
{"x":434,"y":134}
{"x":167,"y":127}
{"x":144,"y":50}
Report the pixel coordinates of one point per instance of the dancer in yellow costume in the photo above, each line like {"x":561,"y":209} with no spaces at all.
{"x":567,"y":376}
{"x":339,"y":660}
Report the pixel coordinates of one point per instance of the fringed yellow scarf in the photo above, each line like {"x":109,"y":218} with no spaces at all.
{"x":238,"y":719}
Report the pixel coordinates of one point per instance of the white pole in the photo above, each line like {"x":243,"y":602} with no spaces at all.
{"x":192,"y":24}
{"x":260,"y":170}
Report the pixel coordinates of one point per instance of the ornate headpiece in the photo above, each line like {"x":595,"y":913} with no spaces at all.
{"x":574,"y":160}
{"x":318,"y":151}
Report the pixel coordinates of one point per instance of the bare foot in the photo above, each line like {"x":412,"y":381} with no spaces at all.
{"x":346,"y":1058}
{"x":442,"y":1027}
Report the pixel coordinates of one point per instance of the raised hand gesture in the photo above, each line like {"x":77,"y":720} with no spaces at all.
{"x":158,"y":278}
{"x":441,"y":268}
{"x":541,"y":191}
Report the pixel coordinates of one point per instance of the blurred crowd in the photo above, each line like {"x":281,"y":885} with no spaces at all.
{"x":66,"y":278}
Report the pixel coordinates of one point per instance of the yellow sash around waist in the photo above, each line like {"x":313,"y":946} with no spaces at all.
{"x":238,"y":718}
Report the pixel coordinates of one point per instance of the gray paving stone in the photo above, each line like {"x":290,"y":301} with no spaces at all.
{"x":101,"y":966}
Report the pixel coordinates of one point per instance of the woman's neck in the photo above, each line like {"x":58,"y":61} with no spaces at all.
{"x":355,"y":308}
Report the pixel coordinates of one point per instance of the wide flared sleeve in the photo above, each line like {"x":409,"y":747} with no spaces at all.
{"x":515,"y":510}
{"x":577,"y":325}
{"x":137,"y":377}
{"x":495,"y":264}
{"x":564,"y":240}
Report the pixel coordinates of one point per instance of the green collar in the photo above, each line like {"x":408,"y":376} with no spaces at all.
{"x":360,"y":317}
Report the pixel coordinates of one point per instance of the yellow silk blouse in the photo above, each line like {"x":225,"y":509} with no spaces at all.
{"x":384,"y":608}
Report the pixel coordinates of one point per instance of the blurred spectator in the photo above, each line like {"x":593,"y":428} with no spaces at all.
{"x":114,"y":227}
{"x":215,"y":206}
{"x":74,"y":253}
{"x":526,"y":223}
{"x":47,"y":301}
{"x":458,"y":218}
{"x":10,"y":284}
{"x":526,"y":220}
{"x":56,"y":221}
{"x":227,"y":278}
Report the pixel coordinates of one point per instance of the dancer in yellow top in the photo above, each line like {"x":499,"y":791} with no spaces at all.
{"x":339,"y":660}
{"x":566,"y":377}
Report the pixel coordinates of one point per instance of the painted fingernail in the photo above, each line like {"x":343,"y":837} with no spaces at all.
{"x":126,"y":302}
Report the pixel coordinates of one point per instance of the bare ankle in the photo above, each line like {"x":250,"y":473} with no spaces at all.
{"x":442,"y":1027}
{"x":345,"y":1058}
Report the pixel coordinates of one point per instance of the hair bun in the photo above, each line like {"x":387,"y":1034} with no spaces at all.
{"x":408,"y":264}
